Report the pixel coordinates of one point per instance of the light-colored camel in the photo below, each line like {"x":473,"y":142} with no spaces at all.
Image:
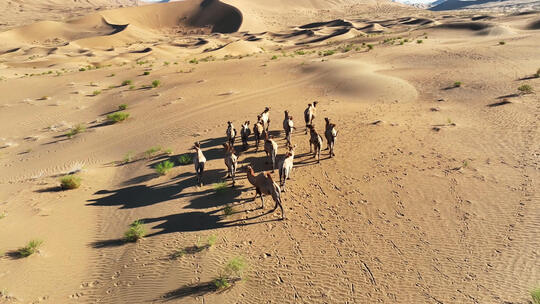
{"x":230,"y":161}
{"x":286,"y":166}
{"x":270,"y":147}
{"x":199,"y":160}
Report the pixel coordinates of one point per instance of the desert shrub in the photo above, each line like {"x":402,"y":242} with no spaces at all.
{"x":185,"y":159}
{"x":168,"y":151}
{"x":152,"y":151}
{"x":118,"y":116}
{"x":126,"y":82}
{"x":112,"y":75}
{"x":419,"y":41}
{"x":228,"y":210}
{"x":220,"y":187}
{"x":211,"y":241}
{"x":122,"y":107}
{"x":96,"y":92}
{"x":164,"y":167}
{"x":525,"y":89}
{"x":457,"y":84}
{"x":82,"y":69}
{"x":178,"y":254}
{"x":535,"y":294}
{"x":76,"y":130}
{"x":146,"y":73}
{"x":30,"y":248}
{"x":233,"y":271}
{"x":370,"y":46}
{"x":328,"y":52}
{"x":128,"y":157}
{"x":3,"y":215}
{"x":537,"y":75}
{"x":194,"y":61}
{"x":156,"y":83}
{"x":131,"y":87}
{"x":274,"y":57}
{"x":70,"y":182}
{"x":166,"y":63}
{"x":502,"y":42}
{"x":300,"y":52}
{"x":135,"y":231}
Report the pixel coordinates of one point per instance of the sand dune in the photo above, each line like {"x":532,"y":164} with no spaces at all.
{"x":431,"y":197}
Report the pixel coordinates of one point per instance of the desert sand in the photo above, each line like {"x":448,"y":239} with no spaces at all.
{"x":431,"y":197}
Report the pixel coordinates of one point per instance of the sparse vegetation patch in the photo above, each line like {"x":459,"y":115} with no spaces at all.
{"x":126,"y":82}
{"x":232,"y":272}
{"x":220,"y":187}
{"x":122,"y":107}
{"x":185,"y":159}
{"x":30,"y":248}
{"x":70,"y":182}
{"x":535,"y":294}
{"x":135,"y":232}
{"x":76,"y":130}
{"x":164,"y":167}
{"x":525,"y":89}
{"x":156,"y":83}
{"x":118,"y":116}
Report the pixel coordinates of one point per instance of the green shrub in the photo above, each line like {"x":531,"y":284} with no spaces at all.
{"x":82,"y":69}
{"x":419,"y":41}
{"x":152,"y":151}
{"x":370,"y":46}
{"x":525,"y":89}
{"x":273,"y":57}
{"x":535,"y":294}
{"x":135,"y":232}
{"x":329,"y":52}
{"x":457,"y":84}
{"x":164,"y":167}
{"x":70,"y":182}
{"x":3,"y":215}
{"x":185,"y":159}
{"x":128,"y":157}
{"x":76,"y":130}
{"x":537,"y":75}
{"x":126,"y":82}
{"x":300,"y":52}
{"x":131,"y":87}
{"x":96,"y":92}
{"x":228,"y":210}
{"x":233,"y":271}
{"x":122,"y":107}
{"x":30,"y":248}
{"x":118,"y":116}
{"x":220,"y":187}
{"x":156,"y":83}
{"x":146,"y":73}
{"x":211,"y":241}
{"x":194,"y":61}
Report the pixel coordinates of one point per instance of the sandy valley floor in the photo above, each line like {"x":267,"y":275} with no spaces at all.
{"x":431,"y":198}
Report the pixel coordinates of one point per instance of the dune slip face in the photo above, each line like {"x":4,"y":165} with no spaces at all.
{"x":122,"y":125}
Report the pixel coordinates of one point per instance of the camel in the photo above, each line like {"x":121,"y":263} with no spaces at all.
{"x":264,"y":185}
{"x":231,"y":133}
{"x":199,"y":160}
{"x":230,"y":161}
{"x":265,"y":118}
{"x":286,"y":166}
{"x":330,"y":133}
{"x":288,"y":126}
{"x":315,"y":141}
{"x":270,"y":147}
{"x":258,"y":130}
{"x":245,"y":132}
{"x":310,"y":113}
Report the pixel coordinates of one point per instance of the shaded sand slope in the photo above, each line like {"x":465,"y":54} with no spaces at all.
{"x":431,"y":198}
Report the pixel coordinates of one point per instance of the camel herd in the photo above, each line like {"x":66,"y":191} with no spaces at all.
{"x":263,"y":182}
